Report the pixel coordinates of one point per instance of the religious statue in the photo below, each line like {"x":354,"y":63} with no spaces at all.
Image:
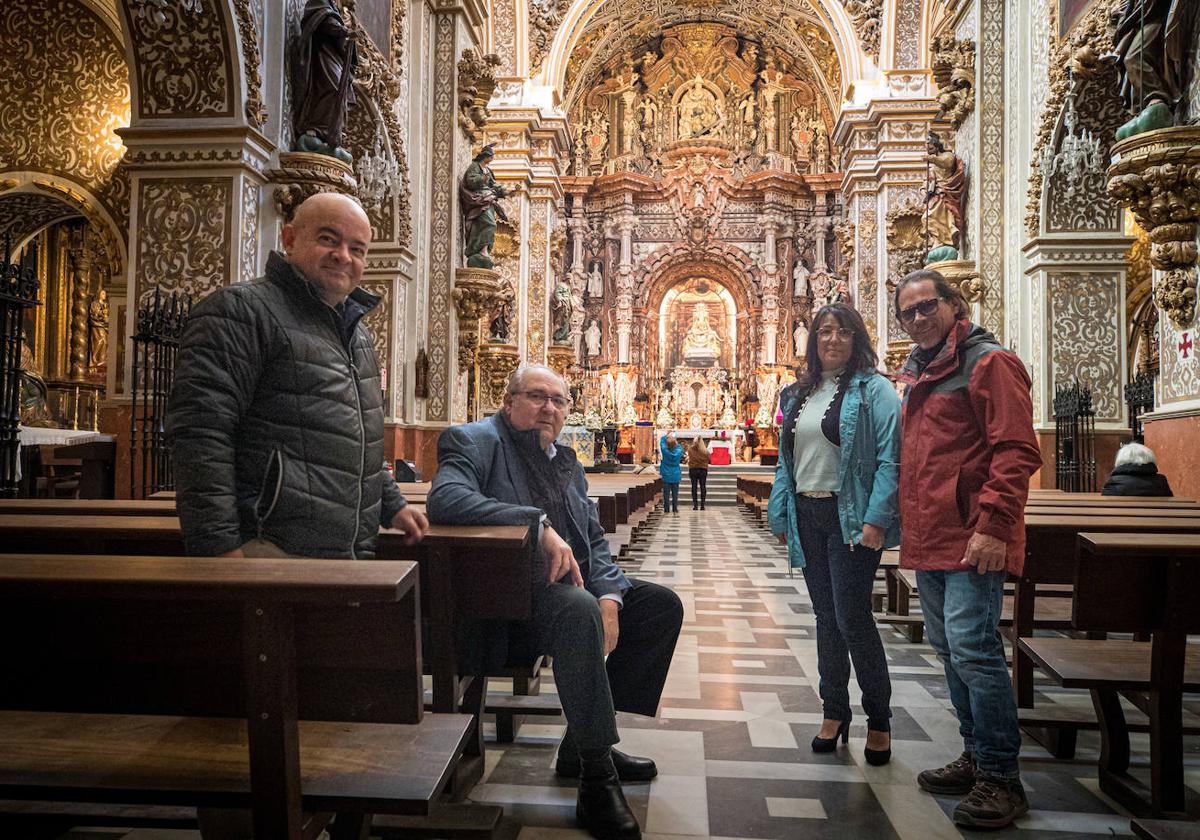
{"x":800,"y":338}
{"x":769,"y":122}
{"x":98,"y":331}
{"x":560,"y":312}
{"x":595,"y":284}
{"x":800,"y":278}
{"x":821,"y":154}
{"x":1152,"y":40}
{"x":697,"y":112}
{"x":34,"y":409}
{"x":747,"y":107}
{"x":500,"y":328}
{"x":322,"y":73}
{"x":580,"y":153}
{"x":592,"y":338}
{"x":800,"y":137}
{"x":701,"y":344}
{"x":479,"y":195}
{"x":944,"y":198}
{"x":649,"y":109}
{"x":421,"y":374}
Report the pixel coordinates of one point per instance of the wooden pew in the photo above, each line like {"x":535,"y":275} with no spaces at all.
{"x":90,"y":507}
{"x":220,"y":682}
{"x":1133,"y":582}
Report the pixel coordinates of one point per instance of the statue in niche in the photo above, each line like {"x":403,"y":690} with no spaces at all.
{"x":322,"y":66}
{"x":34,"y":408}
{"x":597,"y":139}
{"x":1152,"y":41}
{"x":800,"y":338}
{"x":500,"y":328}
{"x":750,"y":56}
{"x":98,"y":331}
{"x":945,"y":194}
{"x":698,"y":113}
{"x":746,"y":108}
{"x":629,"y":123}
{"x":595,"y":283}
{"x":701,"y":344}
{"x":800,"y":275}
{"x":649,"y":109}
{"x":560,"y":312}
{"x":822,"y":150}
{"x":592,"y":338}
{"x":480,"y":194}
{"x":769,"y":122}
{"x":801,"y":136}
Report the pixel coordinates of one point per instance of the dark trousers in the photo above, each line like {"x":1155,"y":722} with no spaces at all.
{"x":670,"y":496}
{"x":699,"y":476}
{"x":840,"y":579}
{"x":570,"y":629}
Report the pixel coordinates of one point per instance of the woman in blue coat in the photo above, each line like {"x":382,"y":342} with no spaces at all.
{"x":668,"y":468}
{"x":834,"y":504}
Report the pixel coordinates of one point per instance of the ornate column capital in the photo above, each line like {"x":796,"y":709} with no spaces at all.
{"x":477,"y":291}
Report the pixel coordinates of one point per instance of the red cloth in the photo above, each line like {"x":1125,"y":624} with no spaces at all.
{"x":967,"y":453}
{"x":719,"y":456}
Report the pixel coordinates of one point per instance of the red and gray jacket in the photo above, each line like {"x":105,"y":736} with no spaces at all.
{"x":967,"y":451}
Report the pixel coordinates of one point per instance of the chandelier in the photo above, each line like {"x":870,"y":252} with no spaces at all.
{"x":1079,"y":155}
{"x":378,"y":176}
{"x":153,"y":10}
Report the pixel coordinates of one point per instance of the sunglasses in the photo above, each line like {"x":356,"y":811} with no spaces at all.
{"x":925,"y":307}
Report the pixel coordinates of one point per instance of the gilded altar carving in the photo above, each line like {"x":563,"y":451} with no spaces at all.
{"x":185,"y":227}
{"x":71,"y":98}
{"x":496,"y":364}
{"x":843,"y":232}
{"x":248,"y":32}
{"x":544,"y":18}
{"x":867,"y":17}
{"x":476,"y":293}
{"x":183,"y":62}
{"x":476,"y":81}
{"x":953,"y":65}
{"x":303,"y":174}
{"x":24,"y":213}
{"x":905,"y":238}
{"x":1157,"y":175}
{"x":374,"y":127}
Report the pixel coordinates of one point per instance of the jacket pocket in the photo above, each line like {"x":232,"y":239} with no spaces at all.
{"x":272,"y":487}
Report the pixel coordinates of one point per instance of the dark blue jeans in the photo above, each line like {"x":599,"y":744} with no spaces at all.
{"x":840,"y":579}
{"x":670,"y":497}
{"x":962,"y":612}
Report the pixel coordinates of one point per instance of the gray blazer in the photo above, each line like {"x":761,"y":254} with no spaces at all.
{"x":479,"y":481}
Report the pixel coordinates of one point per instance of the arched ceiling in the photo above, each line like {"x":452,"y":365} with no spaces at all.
{"x":595,"y":32}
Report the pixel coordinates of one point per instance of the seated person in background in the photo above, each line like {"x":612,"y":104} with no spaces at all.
{"x":506,"y":470}
{"x":1135,"y":473}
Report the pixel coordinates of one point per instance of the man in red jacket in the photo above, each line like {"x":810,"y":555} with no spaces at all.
{"x":966,"y":456}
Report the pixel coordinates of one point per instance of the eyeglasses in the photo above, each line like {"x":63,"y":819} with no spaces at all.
{"x":925,"y":307}
{"x":540,"y":398}
{"x":842,"y":333}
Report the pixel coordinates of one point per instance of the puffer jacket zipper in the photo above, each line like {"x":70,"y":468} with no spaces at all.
{"x":276,"y":458}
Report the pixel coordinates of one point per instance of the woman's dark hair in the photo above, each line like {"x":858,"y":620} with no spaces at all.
{"x":862,"y":354}
{"x":944,"y":287}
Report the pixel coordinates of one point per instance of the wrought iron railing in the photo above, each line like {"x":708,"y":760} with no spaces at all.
{"x":1139,"y":399}
{"x":1075,"y":447}
{"x":155,"y":345}
{"x":18,"y":292}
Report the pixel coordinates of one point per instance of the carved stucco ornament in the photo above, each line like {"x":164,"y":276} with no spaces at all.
{"x":560,"y":358}
{"x":302,"y":174}
{"x":476,"y":81}
{"x":906,"y":243}
{"x":496,"y":364}
{"x":1157,"y":176}
{"x":953,"y":68}
{"x":477,"y":291}
{"x":964,"y":275}
{"x":843,"y":232}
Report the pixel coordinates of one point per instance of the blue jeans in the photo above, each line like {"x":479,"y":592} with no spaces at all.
{"x":839,"y":580}
{"x":670,"y":496}
{"x":962,"y":612}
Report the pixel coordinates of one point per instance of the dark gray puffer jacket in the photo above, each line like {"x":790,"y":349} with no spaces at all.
{"x":275,"y":422}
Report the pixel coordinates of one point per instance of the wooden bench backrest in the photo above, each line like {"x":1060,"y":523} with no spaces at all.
{"x":164,"y":635}
{"x":1121,"y":579}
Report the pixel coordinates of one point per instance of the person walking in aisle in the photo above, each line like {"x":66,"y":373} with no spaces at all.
{"x":834,"y":504}
{"x":668,"y":468}
{"x":697,"y":455}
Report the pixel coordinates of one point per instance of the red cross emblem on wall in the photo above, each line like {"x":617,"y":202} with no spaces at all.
{"x":1185,"y":346}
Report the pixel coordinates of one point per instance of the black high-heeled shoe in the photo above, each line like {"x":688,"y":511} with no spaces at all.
{"x":825,"y":745}
{"x":877,"y":758}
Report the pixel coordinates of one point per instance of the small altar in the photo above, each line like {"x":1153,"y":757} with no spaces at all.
{"x":723,"y":444}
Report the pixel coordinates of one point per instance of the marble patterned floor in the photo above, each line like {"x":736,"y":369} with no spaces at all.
{"x":741,"y":706}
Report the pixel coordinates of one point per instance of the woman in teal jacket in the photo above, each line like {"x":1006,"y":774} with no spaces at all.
{"x":668,"y":469}
{"x":834,"y":504}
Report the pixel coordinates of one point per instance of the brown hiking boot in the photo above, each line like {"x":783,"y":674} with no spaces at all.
{"x":992,"y":803}
{"x":956,"y":778}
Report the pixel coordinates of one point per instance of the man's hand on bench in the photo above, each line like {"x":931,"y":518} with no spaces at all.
{"x":413,"y":522}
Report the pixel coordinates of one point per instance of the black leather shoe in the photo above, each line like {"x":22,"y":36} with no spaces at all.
{"x":630,"y":768}
{"x":826,"y":745}
{"x":601,"y":810}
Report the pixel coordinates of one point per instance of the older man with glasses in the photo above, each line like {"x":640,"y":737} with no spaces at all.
{"x":967,"y":453}
{"x":507,"y":470}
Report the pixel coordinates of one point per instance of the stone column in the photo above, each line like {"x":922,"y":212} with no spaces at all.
{"x":770,"y":293}
{"x":625,"y":290}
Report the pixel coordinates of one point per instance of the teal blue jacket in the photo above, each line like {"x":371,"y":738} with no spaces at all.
{"x":668,"y":468}
{"x":869,"y":470}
